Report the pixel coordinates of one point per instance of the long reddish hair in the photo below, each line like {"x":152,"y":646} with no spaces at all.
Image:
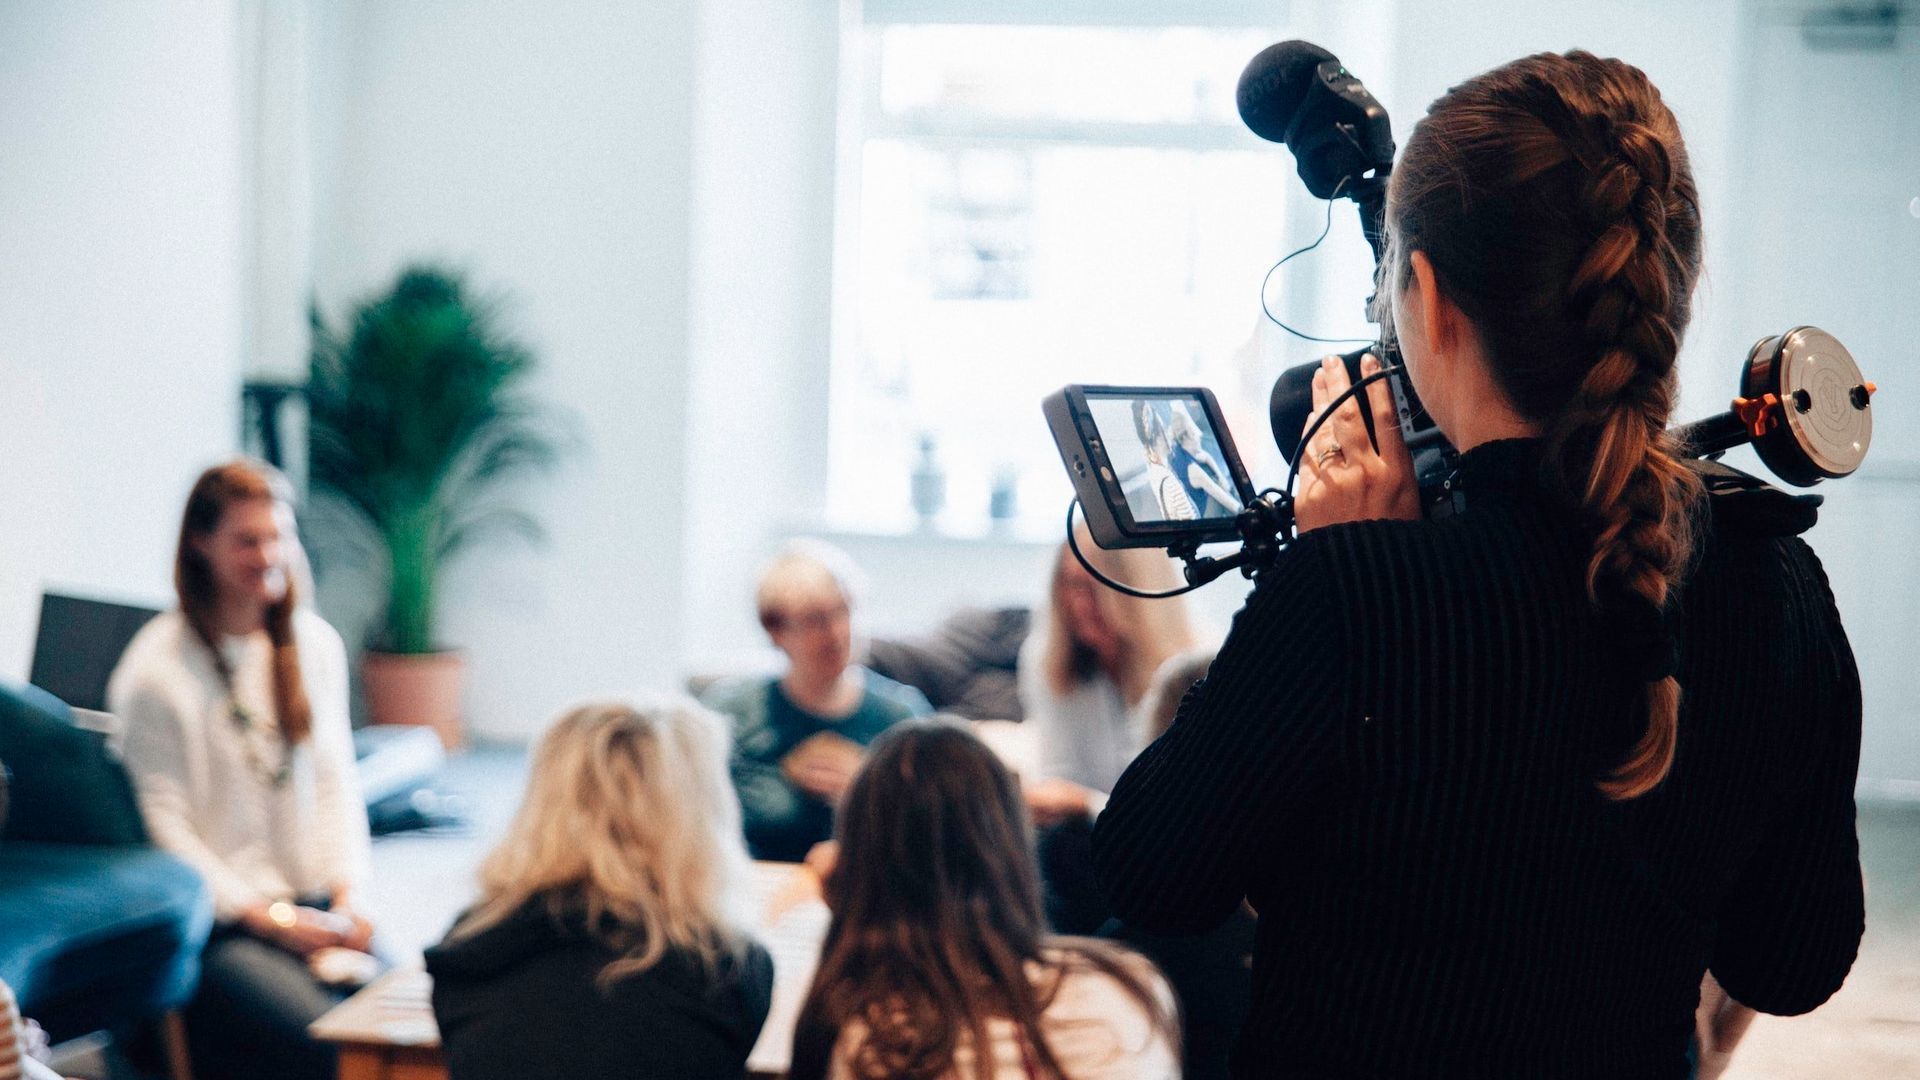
{"x":1553,"y":197}
{"x":218,"y":489}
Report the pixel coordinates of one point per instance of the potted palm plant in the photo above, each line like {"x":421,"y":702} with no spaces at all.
{"x":419,"y":421}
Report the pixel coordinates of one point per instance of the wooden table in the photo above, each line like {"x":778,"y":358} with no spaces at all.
{"x":387,"y":1032}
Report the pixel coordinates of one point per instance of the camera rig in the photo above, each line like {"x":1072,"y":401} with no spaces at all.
{"x":1802,"y":402}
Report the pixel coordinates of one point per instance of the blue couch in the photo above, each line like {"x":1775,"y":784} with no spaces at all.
{"x":98,"y":928}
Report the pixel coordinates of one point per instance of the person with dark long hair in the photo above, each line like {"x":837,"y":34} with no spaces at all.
{"x":241,"y":753}
{"x":937,"y":962}
{"x":1534,"y":769}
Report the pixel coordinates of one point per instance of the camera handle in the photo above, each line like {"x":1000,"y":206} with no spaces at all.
{"x":1261,"y":524}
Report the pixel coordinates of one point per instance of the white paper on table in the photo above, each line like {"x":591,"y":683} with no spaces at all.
{"x":792,"y":930}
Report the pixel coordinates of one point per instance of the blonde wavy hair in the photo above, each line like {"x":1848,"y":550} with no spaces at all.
{"x":1151,"y":631}
{"x":630,"y":818}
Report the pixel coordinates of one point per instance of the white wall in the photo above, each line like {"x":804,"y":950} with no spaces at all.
{"x":120,"y":291}
{"x":1825,"y":171}
{"x":551,"y":156}
{"x":761,"y":304}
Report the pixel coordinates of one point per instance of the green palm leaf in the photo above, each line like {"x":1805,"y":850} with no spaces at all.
{"x":419,"y":421}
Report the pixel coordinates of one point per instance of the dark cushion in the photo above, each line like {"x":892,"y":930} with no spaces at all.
{"x":66,"y":788}
{"x":966,"y":666}
{"x":94,"y":937}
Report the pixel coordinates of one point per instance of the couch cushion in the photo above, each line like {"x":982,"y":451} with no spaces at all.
{"x":67,"y":788}
{"x":965,"y":667}
{"x":92,"y":936}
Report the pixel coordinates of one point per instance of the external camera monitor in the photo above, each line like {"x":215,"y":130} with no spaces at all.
{"x":1153,"y":466}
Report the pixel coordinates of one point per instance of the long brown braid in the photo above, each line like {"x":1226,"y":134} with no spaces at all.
{"x":1554,"y":200}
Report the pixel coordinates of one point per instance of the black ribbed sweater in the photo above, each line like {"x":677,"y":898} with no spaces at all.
{"x":1393,"y":758}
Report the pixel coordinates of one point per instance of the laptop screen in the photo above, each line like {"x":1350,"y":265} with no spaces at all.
{"x":79,"y":643}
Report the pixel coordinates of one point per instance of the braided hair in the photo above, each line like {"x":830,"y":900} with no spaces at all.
{"x":1553,"y":198}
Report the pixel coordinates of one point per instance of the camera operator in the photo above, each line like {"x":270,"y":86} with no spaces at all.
{"x":1501,"y":789}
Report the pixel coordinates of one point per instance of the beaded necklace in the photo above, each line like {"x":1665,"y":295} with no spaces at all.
{"x":273,"y":775}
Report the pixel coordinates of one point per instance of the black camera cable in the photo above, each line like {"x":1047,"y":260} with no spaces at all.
{"x":1289,"y":257}
{"x":1073,"y":544}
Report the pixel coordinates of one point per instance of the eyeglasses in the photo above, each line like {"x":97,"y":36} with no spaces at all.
{"x":819,"y":619}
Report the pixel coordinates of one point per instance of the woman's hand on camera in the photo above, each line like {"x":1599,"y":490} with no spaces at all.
{"x":1343,"y":477}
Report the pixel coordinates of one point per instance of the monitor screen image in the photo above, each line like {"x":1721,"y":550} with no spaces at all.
{"x":1166,"y":455}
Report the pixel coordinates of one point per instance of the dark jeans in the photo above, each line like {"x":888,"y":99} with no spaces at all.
{"x":1212,"y":977}
{"x":249,"y":1018}
{"x":1074,"y":902}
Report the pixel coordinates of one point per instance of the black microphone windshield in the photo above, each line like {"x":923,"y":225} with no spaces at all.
{"x":1275,"y":83}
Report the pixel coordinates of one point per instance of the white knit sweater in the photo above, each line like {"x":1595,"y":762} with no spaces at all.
{"x":205,"y":785}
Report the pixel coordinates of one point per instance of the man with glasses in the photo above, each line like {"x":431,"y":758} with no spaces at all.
{"x":800,"y":737}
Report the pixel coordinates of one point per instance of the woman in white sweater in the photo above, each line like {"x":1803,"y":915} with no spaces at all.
{"x":241,"y":752}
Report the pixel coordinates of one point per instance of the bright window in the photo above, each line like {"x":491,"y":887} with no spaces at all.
{"x":1024,"y":207}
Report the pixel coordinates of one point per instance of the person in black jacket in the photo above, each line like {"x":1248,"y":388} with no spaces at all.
{"x":1504,"y":786}
{"x":600,"y":944}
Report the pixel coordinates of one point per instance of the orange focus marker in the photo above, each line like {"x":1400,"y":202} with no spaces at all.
{"x":1758,"y":414}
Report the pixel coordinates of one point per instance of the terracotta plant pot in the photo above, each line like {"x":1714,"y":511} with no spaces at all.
{"x":417,"y":688}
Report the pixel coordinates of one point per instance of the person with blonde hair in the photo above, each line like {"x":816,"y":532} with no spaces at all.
{"x":1086,"y":669}
{"x":1169,"y":492}
{"x":602,"y":943}
{"x":240,"y":750}
{"x":799,"y":737}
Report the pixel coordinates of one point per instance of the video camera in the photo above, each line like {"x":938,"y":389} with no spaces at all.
{"x":1155,"y":466}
